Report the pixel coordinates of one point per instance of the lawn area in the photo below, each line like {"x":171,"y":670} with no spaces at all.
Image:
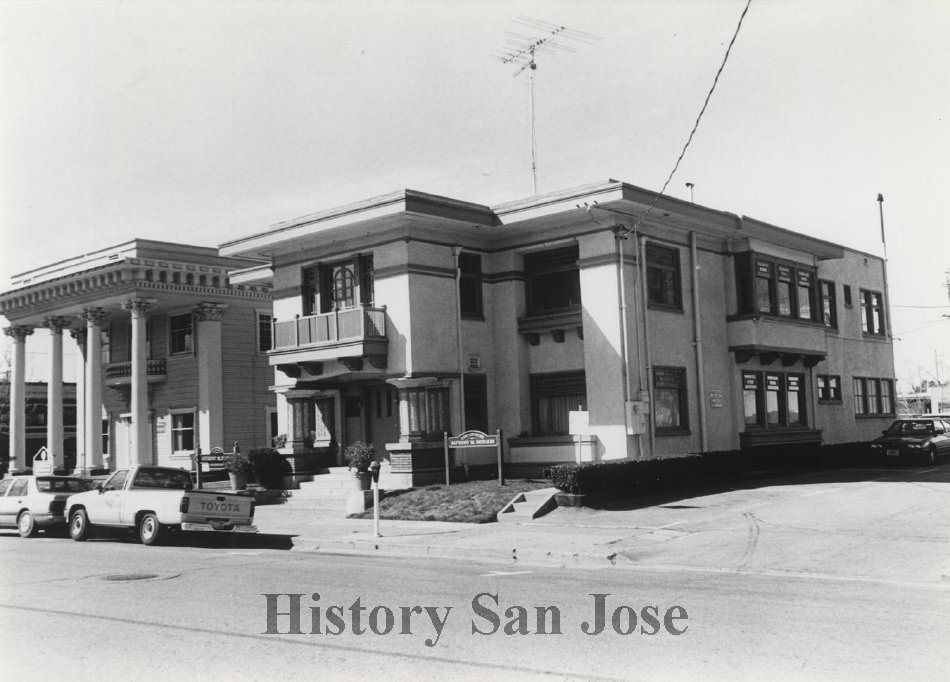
{"x":470,"y":502}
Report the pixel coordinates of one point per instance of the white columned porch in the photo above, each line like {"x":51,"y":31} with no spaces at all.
{"x":18,"y":454}
{"x":210,"y":376}
{"x":141,"y":433}
{"x":54,"y":392}
{"x":79,"y":336}
{"x":94,"y":318}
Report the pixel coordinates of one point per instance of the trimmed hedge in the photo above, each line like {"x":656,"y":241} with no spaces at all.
{"x":626,"y":478}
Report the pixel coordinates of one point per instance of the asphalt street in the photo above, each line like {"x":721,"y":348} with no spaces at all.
{"x":843,"y":575}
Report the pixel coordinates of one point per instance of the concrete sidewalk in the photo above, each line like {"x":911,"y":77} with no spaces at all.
{"x":559,"y":540}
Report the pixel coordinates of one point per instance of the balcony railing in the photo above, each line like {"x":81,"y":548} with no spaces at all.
{"x":119,"y":373}
{"x":327,"y":329}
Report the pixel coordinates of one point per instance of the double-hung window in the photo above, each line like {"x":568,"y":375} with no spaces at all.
{"x":553,"y":281}
{"x":829,"y":307}
{"x":777,"y":288}
{"x":663,"y":277}
{"x":773,"y":400}
{"x":873,"y":396}
{"x":470,"y":285}
{"x":181,"y":337}
{"x":872,"y":313}
{"x":553,"y":396}
{"x":671,"y":408}
{"x":183,"y":431}
{"x":829,"y":388}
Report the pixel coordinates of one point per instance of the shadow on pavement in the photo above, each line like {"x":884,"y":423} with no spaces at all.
{"x":669,"y":497}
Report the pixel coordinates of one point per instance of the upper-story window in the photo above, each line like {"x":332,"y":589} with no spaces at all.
{"x":470,"y":285}
{"x":663,"y":277}
{"x":338,"y":286}
{"x":265,"y":325}
{"x":829,"y":305}
{"x":775,"y":288}
{"x":553,"y":280}
{"x":181,"y":337}
{"x":872,"y":313}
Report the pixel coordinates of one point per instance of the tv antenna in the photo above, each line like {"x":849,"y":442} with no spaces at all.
{"x":521,"y":49}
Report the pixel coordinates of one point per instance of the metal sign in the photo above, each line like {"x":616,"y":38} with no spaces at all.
{"x":473,"y":439}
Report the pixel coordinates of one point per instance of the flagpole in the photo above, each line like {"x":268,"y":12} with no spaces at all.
{"x":886,"y":312}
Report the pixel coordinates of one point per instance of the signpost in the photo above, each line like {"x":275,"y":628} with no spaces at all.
{"x":474,"y":439}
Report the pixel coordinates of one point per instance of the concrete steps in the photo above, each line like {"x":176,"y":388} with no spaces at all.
{"x":529,"y":505}
{"x":327,"y":492}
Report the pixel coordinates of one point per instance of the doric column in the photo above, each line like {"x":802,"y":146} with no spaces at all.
{"x":94,"y":318}
{"x":141,"y":451}
{"x":54,"y":391}
{"x":210,"y":375}
{"x":79,"y":336}
{"x":18,"y":454}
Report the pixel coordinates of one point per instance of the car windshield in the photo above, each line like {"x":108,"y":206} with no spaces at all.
{"x":911,"y":427}
{"x":61,"y":485}
{"x":162,"y":478}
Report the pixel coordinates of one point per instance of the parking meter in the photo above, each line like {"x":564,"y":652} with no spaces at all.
{"x":374,"y":470}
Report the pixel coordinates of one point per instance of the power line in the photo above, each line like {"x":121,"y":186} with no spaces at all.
{"x":703,"y":109}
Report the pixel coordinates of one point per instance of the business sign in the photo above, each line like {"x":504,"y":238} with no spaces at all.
{"x":473,"y":439}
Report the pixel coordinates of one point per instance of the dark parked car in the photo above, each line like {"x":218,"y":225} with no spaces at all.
{"x":922,"y":439}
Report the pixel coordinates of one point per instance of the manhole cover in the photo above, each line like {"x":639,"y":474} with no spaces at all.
{"x":120,"y":577}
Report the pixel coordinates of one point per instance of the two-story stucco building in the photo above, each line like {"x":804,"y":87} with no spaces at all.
{"x":172,"y":354}
{"x":676,"y":328}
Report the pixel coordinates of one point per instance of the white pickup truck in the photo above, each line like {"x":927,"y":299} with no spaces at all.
{"x":154,"y":499}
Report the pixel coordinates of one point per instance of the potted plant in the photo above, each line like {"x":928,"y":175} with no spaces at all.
{"x":239,"y":468}
{"x":359,"y":456}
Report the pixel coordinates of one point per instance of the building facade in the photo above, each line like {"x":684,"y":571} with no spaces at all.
{"x":597,"y":323}
{"x":172,"y":355}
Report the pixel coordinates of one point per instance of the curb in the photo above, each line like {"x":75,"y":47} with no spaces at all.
{"x":512,"y":557}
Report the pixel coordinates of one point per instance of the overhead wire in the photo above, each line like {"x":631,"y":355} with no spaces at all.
{"x":702,"y":111}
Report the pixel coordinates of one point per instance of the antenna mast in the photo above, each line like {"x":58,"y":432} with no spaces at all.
{"x":521,"y":48}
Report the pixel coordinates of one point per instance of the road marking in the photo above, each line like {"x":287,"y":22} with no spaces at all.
{"x":492,"y":574}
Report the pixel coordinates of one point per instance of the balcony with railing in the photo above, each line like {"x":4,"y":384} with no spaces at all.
{"x":120,"y":373}
{"x":352,"y":332}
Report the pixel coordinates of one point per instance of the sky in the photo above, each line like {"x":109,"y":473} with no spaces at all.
{"x":205,"y":121}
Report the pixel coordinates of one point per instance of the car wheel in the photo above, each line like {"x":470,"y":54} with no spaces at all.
{"x":149,"y":529}
{"x":26,"y":524}
{"x":79,"y":525}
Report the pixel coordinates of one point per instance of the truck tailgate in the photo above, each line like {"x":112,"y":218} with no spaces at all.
{"x":219,"y":511}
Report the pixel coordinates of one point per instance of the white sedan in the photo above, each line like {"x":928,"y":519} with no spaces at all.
{"x":29,"y":503}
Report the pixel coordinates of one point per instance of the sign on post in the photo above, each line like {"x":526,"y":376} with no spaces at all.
{"x":473,"y":439}
{"x":42,"y":462}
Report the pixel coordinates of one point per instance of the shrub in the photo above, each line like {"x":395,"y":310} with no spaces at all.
{"x":359,"y":455}
{"x":269,"y":467}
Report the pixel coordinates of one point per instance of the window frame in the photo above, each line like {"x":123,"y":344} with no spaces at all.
{"x":653,"y":252}
{"x":470,"y":286}
{"x":777,"y":288}
{"x":318,"y":287}
{"x":550,"y":386}
{"x":829,"y":303}
{"x":782,"y":393}
{"x":189,"y":334}
{"x":672,"y":379}
{"x":828,"y":388}
{"x":561,"y":261}
{"x":174,"y":431}
{"x":259,"y":316}
{"x":872,"y":310}
{"x":881,"y":389}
